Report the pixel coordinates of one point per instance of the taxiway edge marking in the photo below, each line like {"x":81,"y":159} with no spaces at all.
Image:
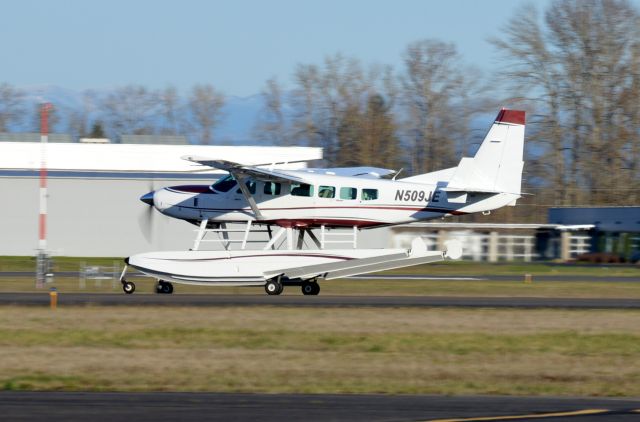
{"x":527,"y":416}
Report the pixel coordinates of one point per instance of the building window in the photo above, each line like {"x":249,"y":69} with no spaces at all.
{"x":369,"y":194}
{"x":272,"y":188}
{"x":301,"y":189}
{"x":348,"y":193}
{"x":327,"y":192}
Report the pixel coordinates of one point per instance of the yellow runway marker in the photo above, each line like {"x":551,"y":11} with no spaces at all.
{"x":529,"y":416}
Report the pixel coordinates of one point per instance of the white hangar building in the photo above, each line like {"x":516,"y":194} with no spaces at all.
{"x":94,"y":190}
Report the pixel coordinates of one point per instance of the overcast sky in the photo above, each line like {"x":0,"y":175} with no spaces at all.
{"x":234,"y":45}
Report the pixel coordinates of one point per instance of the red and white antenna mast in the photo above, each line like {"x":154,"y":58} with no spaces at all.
{"x":42,"y":226}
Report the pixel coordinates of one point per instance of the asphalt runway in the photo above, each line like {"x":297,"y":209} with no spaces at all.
{"x":298,"y":300}
{"x":96,"y":407}
{"x":452,"y":277}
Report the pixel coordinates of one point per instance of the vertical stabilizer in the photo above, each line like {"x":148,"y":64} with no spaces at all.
{"x":497,"y":166}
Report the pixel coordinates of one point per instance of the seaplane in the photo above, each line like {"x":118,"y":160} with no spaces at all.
{"x":262,"y":197}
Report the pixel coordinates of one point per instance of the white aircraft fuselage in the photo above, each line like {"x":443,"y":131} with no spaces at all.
{"x":332,"y":201}
{"x":356,"y":197}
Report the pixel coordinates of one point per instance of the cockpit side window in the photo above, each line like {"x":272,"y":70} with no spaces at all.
{"x":272,"y":188}
{"x":301,"y":189}
{"x":225,"y":184}
{"x":251,"y":184}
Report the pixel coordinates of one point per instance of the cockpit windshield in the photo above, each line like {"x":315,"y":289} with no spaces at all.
{"x":225,"y":184}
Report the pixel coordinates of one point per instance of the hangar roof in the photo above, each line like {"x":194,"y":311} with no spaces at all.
{"x":611,"y":219}
{"x":142,"y":157}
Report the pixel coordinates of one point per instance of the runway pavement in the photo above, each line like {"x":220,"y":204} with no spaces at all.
{"x":297,"y":300}
{"x":97,"y":407}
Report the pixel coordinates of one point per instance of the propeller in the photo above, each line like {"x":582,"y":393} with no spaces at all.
{"x":145,"y":218}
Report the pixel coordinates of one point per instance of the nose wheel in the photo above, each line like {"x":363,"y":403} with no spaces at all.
{"x":128,"y":287}
{"x":164,"y":287}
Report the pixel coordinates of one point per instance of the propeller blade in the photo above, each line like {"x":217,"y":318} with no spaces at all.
{"x":146,"y":216}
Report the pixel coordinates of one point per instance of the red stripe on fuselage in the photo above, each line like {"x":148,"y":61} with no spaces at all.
{"x":192,"y":188}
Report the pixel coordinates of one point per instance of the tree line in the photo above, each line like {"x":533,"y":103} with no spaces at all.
{"x":575,"y":68}
{"x":126,"y":110}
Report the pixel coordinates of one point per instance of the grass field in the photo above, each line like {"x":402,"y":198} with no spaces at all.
{"x":270,"y":349}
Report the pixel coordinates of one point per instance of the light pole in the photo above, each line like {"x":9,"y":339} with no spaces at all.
{"x":42,"y":261}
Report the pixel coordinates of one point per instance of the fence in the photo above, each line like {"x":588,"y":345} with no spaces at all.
{"x":98,"y":274}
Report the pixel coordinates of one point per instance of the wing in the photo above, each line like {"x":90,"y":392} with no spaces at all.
{"x":363,"y":172}
{"x":241,"y":171}
{"x":256,"y":171}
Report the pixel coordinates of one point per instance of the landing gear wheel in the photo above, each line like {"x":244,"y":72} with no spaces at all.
{"x":164,"y":287}
{"x":273,"y":287}
{"x":310,"y":288}
{"x":128,"y":287}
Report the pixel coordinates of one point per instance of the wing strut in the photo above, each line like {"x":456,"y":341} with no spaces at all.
{"x":247,"y":195}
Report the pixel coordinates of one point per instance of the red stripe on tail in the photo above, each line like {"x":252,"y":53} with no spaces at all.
{"x":516,"y":117}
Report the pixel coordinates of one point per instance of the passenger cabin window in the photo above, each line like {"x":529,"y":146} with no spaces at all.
{"x":225,"y":184}
{"x":301,"y":189}
{"x":271,"y":188}
{"x":348,"y":193}
{"x":251,"y":184}
{"x":369,"y":194}
{"x":327,"y":192}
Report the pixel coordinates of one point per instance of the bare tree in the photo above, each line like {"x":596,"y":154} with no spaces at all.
{"x":433,"y":86}
{"x":130,"y":110}
{"x":368,"y":136}
{"x":79,"y":123}
{"x":580,"y":64}
{"x":205,"y":104}
{"x":533,"y":71}
{"x":304,"y":100}
{"x":171,"y":111}
{"x":331,"y":103}
{"x":11,"y":106}
{"x":272,"y":125}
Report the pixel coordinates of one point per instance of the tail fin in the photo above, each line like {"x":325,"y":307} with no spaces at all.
{"x":497,"y":166}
